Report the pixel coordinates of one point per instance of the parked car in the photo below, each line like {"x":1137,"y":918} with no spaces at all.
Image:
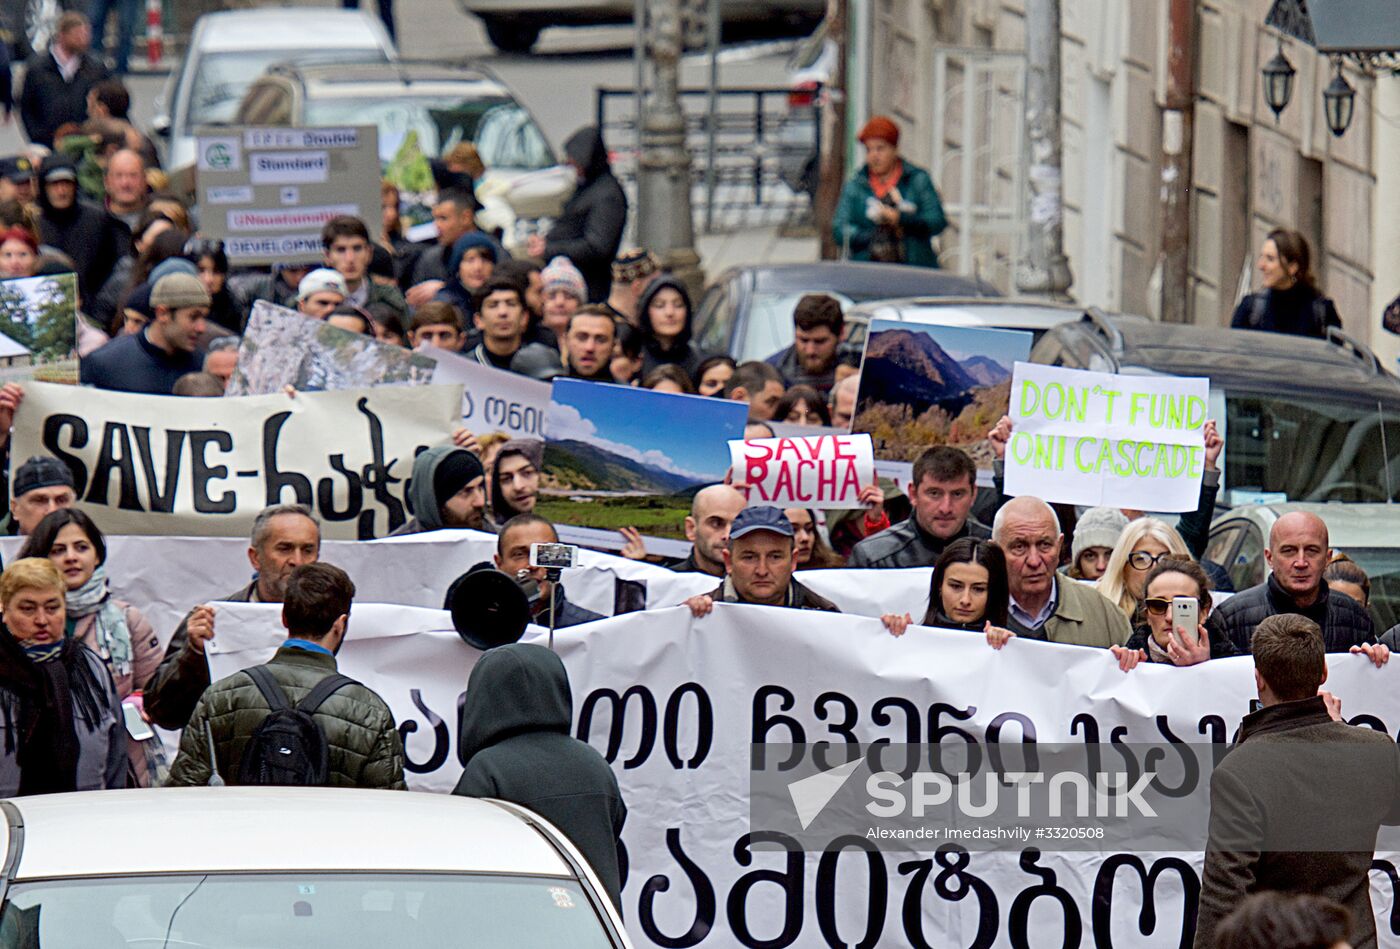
{"x":1303,"y":419}
{"x":513,"y":26}
{"x":280,"y":867}
{"x":1034,"y":316}
{"x":230,"y":49}
{"x":747,"y":311}
{"x":1367,"y":533}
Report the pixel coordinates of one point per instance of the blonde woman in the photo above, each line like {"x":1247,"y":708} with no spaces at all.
{"x":1143,"y":543}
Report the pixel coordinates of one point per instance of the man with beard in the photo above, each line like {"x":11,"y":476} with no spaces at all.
{"x":515,"y":479}
{"x":284,"y":537}
{"x":816,"y":350}
{"x":447,"y":491}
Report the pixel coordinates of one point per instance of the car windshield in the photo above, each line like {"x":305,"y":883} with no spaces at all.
{"x":504,"y":134}
{"x":220,"y":79}
{"x":1268,"y":436}
{"x":260,"y":911}
{"x":1382,"y":566}
{"x":770,"y":323}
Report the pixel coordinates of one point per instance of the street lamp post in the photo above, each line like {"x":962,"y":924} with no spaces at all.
{"x":665,"y":226}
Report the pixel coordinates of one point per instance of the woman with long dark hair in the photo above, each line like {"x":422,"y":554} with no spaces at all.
{"x":63,"y":726}
{"x":1289,"y":301}
{"x":664,"y":315}
{"x":811,"y":548}
{"x":968,"y":590}
{"x":212,"y":261}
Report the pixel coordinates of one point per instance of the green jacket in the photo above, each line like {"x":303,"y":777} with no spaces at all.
{"x":853,"y":230}
{"x":1084,"y":617}
{"x":365,"y":751}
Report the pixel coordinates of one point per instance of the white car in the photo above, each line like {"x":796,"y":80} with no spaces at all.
{"x":230,"y":49}
{"x":189,"y":868}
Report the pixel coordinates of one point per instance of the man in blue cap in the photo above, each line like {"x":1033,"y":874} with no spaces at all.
{"x":758,"y":566}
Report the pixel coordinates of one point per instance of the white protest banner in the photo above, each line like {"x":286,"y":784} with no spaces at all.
{"x":1095,"y":438}
{"x":152,"y":464}
{"x":676,"y":705}
{"x":817,"y":471}
{"x":282,"y":347}
{"x":493,"y":400}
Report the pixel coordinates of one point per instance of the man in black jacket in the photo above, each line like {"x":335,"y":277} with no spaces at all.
{"x":57,"y":80}
{"x":942,"y":492}
{"x":1297,"y":555}
{"x":284,"y":537}
{"x":92,"y":237}
{"x":1285,"y":812}
{"x":515,"y":741}
{"x":513,"y":558}
{"x":760,"y":561}
{"x":589,"y":230}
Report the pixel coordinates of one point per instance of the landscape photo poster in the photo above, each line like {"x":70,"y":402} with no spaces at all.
{"x":617,"y":456}
{"x":39,"y":323}
{"x":923,"y":385}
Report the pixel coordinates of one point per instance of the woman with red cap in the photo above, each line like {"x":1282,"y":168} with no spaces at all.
{"x":890,"y":210}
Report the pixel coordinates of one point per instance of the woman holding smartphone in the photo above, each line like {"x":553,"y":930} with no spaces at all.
{"x":1169,"y":590}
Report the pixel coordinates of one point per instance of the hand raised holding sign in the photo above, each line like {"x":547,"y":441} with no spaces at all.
{"x":11,"y":395}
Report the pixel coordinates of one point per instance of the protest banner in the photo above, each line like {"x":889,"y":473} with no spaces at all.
{"x":493,"y":400}
{"x":821,"y":471}
{"x":266,"y":191}
{"x":147,"y":464}
{"x":922,"y":385}
{"x":282,"y":347}
{"x":618,"y":457}
{"x":678,"y":704}
{"x":1095,"y":438}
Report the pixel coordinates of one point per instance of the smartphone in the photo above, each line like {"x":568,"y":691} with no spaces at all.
{"x":136,"y":726}
{"x":1186,"y":613}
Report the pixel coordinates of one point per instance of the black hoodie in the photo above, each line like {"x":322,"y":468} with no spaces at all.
{"x":517,"y":747}
{"x":93,"y":238}
{"x":589,"y":230}
{"x":682,"y":352}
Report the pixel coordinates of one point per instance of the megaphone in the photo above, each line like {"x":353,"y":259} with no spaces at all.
{"x":488,"y":608}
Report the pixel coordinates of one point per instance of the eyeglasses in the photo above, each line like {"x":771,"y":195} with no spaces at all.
{"x":1145,"y":561}
{"x":1158,"y":606}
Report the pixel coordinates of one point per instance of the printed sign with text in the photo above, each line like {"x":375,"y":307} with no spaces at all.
{"x":818,"y":471}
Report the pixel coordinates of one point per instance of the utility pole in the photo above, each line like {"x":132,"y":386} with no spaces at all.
{"x":665,"y":226}
{"x":831,"y":163}
{"x":1043,"y":269}
{"x":1177,"y":121}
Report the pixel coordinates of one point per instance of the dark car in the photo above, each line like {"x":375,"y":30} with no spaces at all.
{"x":747,"y":311}
{"x":1303,"y":419}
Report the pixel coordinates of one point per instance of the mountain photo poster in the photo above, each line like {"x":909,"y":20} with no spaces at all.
{"x":617,"y":456}
{"x":923,"y":385}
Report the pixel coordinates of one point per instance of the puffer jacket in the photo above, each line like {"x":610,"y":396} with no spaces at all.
{"x":1345,"y":623}
{"x":365,"y":751}
{"x":908,"y":545}
{"x":589,"y":229}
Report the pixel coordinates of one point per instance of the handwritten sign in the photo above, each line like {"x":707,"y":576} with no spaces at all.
{"x":1095,"y":438}
{"x":493,"y":400}
{"x":819,"y":471}
{"x":153,"y":464}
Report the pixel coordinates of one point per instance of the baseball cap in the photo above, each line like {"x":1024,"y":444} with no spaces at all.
{"x":59,"y":168}
{"x":16,"y":168}
{"x":752,"y":519}
{"x":321,"y":279}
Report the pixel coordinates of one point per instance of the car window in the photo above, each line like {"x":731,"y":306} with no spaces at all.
{"x":1221,"y":546}
{"x":1308,"y":449}
{"x":714,"y":319}
{"x":1382,"y":566}
{"x":504,"y":134}
{"x":349,"y":911}
{"x":1248,"y":567}
{"x":221,"y":79}
{"x":769,"y":326}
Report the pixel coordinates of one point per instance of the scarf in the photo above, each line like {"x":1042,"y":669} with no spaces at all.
{"x":111,"y":634}
{"x":1155,"y":652}
{"x":40,"y":703}
{"x":882,"y":186}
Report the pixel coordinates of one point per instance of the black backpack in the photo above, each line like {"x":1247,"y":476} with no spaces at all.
{"x":288,"y":747}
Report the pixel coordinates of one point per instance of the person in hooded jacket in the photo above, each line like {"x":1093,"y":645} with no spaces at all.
{"x":93,"y":238}
{"x":665,"y":313}
{"x":516,"y":744}
{"x":589,"y":230}
{"x":446,"y":491}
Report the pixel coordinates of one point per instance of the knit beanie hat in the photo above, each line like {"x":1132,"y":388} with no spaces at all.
{"x":321,"y":280}
{"x":179,"y":290}
{"x":454,"y":472}
{"x":1097,"y":527}
{"x":41,"y":471}
{"x":561,"y":274}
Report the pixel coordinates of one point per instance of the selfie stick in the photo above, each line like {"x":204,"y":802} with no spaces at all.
{"x":553,"y":575}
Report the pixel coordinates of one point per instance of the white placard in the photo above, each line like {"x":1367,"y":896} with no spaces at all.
{"x":493,"y":400}
{"x":1095,"y":438}
{"x":814,"y":471}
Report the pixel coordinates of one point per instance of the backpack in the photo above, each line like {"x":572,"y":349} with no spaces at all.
{"x":288,"y":747}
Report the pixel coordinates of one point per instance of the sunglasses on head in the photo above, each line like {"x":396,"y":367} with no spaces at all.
{"x":1159,"y":606}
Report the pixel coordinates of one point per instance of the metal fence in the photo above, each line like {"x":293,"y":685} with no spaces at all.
{"x":765,"y":154}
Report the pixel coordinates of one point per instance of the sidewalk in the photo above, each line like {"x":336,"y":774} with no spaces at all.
{"x":760,"y":245}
